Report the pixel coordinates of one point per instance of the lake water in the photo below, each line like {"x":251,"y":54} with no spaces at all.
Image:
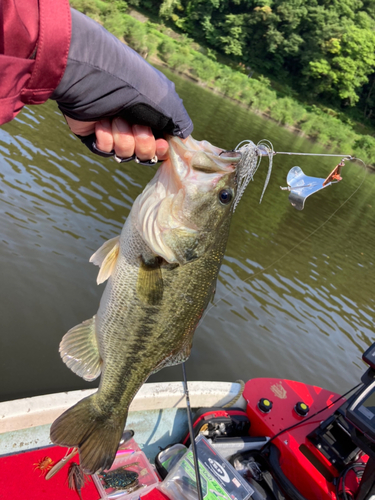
{"x":295,"y":295}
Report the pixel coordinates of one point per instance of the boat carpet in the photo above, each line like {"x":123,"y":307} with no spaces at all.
{"x":20,"y":480}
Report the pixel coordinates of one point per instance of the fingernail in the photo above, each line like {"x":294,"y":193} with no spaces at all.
{"x":106,"y":123}
{"x":142,"y":131}
{"x":121,"y":125}
{"x":162,"y":153}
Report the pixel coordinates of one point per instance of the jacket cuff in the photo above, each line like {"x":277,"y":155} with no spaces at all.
{"x":52,"y":51}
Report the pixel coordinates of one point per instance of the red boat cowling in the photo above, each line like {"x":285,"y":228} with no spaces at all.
{"x":274,"y":405}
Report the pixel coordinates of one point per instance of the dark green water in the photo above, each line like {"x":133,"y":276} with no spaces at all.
{"x":295,"y":297}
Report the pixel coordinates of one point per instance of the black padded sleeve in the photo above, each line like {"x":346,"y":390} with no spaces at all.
{"x":105,"y":78}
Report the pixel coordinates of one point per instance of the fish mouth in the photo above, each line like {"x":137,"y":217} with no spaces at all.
{"x":190,"y":155}
{"x":193,"y":169}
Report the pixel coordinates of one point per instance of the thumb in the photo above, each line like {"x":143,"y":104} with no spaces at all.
{"x":80,"y":128}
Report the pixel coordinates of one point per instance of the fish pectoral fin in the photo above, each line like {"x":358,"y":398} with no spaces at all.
{"x":175,"y":359}
{"x":150,"y":285}
{"x":106,"y":258}
{"x":80,"y":352}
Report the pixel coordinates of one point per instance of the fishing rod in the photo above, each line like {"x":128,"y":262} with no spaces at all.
{"x":191,"y":431}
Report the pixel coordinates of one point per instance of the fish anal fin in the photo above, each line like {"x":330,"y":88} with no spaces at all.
{"x":175,"y":358}
{"x":106,"y":258}
{"x":150,"y":281}
{"x":80,"y":352}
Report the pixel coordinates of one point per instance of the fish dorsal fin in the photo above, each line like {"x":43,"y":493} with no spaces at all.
{"x":106,"y":258}
{"x":175,"y":359}
{"x":80,"y":352}
{"x":150,"y":282}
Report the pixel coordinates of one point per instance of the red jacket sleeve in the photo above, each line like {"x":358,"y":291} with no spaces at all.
{"x":34,"y":45}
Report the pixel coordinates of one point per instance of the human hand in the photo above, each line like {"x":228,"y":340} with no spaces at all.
{"x":114,"y":100}
{"x":119,"y":136}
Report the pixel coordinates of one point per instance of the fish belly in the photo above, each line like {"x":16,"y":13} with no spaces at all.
{"x":137,"y":338}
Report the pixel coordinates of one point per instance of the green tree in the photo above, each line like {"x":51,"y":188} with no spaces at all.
{"x":323,"y":49}
{"x":348,"y":62}
{"x":232,"y":41}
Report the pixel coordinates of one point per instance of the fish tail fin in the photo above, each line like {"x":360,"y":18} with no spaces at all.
{"x":95,"y":434}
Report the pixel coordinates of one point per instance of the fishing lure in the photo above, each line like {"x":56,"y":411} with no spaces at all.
{"x":60,"y":464}
{"x":128,"y":451}
{"x":120,"y":479}
{"x":44,"y":465}
{"x":251,"y":155}
{"x":335,"y":176}
{"x":300,"y":185}
{"x":76,"y":478}
{"x":126,"y":437}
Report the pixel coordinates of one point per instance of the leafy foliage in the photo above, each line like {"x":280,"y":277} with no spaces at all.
{"x":310,"y":41}
{"x":322,"y":48}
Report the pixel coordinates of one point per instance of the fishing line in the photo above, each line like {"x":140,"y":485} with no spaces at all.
{"x":191,"y":432}
{"x":302,"y":422}
{"x":348,"y":157}
{"x":301,"y":241}
{"x":266,"y":142}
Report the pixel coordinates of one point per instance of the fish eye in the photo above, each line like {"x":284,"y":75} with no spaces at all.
{"x":225,"y":196}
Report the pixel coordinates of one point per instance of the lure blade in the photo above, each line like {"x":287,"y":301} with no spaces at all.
{"x":301,"y":186}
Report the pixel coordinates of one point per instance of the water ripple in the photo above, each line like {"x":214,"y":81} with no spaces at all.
{"x":294,"y":297}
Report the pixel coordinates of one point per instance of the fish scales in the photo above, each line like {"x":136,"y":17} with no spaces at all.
{"x":161,"y":273}
{"x":183,"y":285}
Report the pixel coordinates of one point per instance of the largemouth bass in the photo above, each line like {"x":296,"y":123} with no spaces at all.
{"x":161,"y":273}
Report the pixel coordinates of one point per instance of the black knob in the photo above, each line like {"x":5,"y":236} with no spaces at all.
{"x":302,"y":409}
{"x":265,"y":405}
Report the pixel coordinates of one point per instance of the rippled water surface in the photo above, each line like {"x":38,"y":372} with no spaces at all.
{"x":295,"y":296}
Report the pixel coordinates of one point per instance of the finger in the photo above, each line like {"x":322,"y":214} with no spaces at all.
{"x":80,"y":128}
{"x":162,"y":148}
{"x":104,"y":137}
{"x":123,"y":138}
{"x":145,"y":146}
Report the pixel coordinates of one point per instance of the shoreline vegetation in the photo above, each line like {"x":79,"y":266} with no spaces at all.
{"x":162,"y":46}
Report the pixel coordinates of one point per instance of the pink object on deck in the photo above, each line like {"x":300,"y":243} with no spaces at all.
{"x":19,"y":480}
